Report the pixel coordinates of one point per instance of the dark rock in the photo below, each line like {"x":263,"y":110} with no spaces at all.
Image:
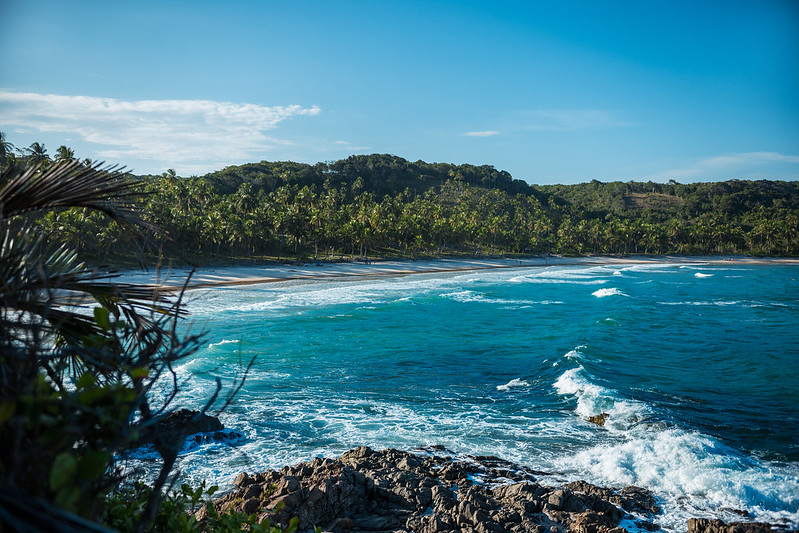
{"x":172,"y":429}
{"x":242,"y":480}
{"x":397,"y":491}
{"x":704,"y":525}
{"x":599,"y":419}
{"x":392,"y":490}
{"x":631,"y":499}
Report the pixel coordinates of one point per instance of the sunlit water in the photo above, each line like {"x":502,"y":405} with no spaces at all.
{"x":697,"y":367}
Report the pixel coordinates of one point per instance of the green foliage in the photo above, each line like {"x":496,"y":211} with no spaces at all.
{"x":178,"y":513}
{"x":385,"y":205}
{"x":78,"y":351}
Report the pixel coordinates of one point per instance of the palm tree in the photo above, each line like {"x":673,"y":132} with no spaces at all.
{"x":37,"y":153}
{"x":64,"y":153}
{"x":78,"y":350}
{"x":6,"y":149}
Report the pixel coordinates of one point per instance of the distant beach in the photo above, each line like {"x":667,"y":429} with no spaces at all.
{"x":204,"y":277}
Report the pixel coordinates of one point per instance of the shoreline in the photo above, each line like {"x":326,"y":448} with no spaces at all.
{"x":433,"y":490}
{"x":236,"y":275}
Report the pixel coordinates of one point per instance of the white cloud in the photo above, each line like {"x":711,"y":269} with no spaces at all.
{"x":746,"y":165}
{"x":481,"y":133}
{"x":184,"y":134}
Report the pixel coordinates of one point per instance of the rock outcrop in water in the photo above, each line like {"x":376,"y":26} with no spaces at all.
{"x":174,"y":429}
{"x":703,"y":525}
{"x":392,"y":490}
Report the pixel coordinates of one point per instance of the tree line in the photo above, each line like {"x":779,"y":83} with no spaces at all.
{"x":384,"y":205}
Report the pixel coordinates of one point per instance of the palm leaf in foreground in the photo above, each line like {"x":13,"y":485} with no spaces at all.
{"x":79,"y":351}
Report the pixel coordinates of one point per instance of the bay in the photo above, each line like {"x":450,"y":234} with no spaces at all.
{"x":695,"y":365}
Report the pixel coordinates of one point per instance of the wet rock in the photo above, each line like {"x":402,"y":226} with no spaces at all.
{"x":704,"y":525}
{"x":630,"y":499}
{"x":397,"y":491}
{"x":172,"y":429}
{"x":599,"y":419}
{"x":393,"y":490}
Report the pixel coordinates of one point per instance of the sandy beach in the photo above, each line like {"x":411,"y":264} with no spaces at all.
{"x":245,"y":275}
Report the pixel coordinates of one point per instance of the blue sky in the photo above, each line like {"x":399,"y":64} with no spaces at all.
{"x":552,"y":92}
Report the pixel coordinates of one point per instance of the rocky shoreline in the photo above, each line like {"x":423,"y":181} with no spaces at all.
{"x":432,"y":490}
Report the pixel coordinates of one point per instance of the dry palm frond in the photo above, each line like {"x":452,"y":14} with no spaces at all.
{"x":45,"y":288}
{"x":69,"y":184}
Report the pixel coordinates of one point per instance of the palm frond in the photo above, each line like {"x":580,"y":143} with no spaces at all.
{"x":67,"y":184}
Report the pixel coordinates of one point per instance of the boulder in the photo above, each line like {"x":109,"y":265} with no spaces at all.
{"x":172,"y":429}
{"x":394,"y":490}
{"x":398,"y":491}
{"x":599,"y":419}
{"x":704,"y":525}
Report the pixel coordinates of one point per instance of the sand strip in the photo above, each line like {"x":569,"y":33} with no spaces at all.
{"x":247,"y":275}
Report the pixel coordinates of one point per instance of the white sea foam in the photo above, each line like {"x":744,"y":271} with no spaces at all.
{"x":702,"y":275}
{"x":558,"y":281}
{"x":654,"y":268}
{"x":594,"y":400}
{"x":513,"y":384}
{"x":692,"y":473}
{"x":474,"y":296}
{"x":608,"y":291}
{"x":718,"y":303}
{"x":574,"y":354}
{"x":223,"y":342}
{"x":574,"y":276}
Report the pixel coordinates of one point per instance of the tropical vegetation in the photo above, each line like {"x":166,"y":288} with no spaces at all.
{"x":79,"y":354}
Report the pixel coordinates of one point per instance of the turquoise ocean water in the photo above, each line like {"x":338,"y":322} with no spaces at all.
{"x":697,"y":367}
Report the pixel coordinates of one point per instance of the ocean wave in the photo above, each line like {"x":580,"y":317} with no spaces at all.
{"x":573,"y":276}
{"x":594,"y":400}
{"x":694,"y":474}
{"x":468,"y":296}
{"x":513,"y":384}
{"x":576,"y":353}
{"x":558,"y":281}
{"x":223,"y":342}
{"x":702,"y":275}
{"x":608,"y":291}
{"x":655,"y":268}
{"x":717,"y":303}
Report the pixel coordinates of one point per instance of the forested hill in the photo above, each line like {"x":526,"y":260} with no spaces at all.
{"x":379,"y":174}
{"x":384,"y":174}
{"x":665,"y":200}
{"x":383,"y":205}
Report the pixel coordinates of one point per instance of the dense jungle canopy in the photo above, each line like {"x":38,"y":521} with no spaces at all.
{"x":384,"y":205}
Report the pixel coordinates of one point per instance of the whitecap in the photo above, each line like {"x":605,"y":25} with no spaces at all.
{"x":593,"y":400}
{"x":222,"y":342}
{"x":695,"y":475}
{"x":608,"y":291}
{"x":574,"y":354}
{"x":513,"y":384}
{"x":584,"y":276}
{"x":702,"y":275}
{"x":464,"y":296}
